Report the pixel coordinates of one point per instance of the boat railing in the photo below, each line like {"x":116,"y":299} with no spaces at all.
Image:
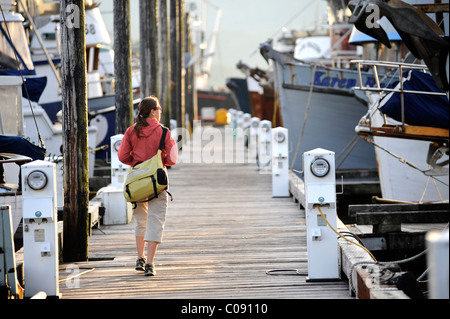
{"x":398,"y":66}
{"x":364,"y":127}
{"x":340,"y":62}
{"x":387,"y":64}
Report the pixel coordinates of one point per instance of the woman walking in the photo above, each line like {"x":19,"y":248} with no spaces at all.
{"x":140,"y":143}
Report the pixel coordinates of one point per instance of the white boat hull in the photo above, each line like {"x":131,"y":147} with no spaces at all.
{"x":401,"y":182}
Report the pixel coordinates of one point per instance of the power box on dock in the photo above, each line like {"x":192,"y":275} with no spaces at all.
{"x":117,"y":210}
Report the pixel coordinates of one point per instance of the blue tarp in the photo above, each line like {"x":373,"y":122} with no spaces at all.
{"x":35,"y":84}
{"x":35,"y":87}
{"x":420,"y":110}
{"x":21,"y":146}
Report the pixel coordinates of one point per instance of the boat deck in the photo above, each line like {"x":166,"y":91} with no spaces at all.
{"x":224,"y":232}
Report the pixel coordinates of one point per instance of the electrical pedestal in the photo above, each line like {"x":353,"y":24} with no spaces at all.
{"x":117,"y":210}
{"x":280,"y":162}
{"x":320,"y":208}
{"x":40,"y":218}
{"x":253,"y":138}
{"x":264,"y":148}
{"x":118,"y":169}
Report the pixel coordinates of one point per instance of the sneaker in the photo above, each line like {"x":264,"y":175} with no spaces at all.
{"x":149,"y":270}
{"x":140,"y":262}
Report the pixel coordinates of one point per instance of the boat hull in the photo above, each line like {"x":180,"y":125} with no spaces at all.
{"x":102,"y":114}
{"x":332,"y":116}
{"x":400,"y":181}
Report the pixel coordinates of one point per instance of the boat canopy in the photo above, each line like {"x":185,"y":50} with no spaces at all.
{"x":312,"y":48}
{"x":21,"y":146}
{"x":13,"y":43}
{"x":357,"y":37}
{"x":420,"y":109}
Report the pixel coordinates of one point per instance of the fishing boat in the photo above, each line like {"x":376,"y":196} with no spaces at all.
{"x":26,"y":131}
{"x":255,"y":94}
{"x":407,"y":124}
{"x":46,"y":57}
{"x":261,"y":94}
{"x":239,"y":92}
{"x":318,"y":104}
{"x":35,"y":123}
{"x":15,"y":149}
{"x":213,"y":99}
{"x":412,"y":154}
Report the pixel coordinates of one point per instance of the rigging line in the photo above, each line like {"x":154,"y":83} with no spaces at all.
{"x":305,"y":118}
{"x":23,"y":79}
{"x":348,"y":153}
{"x":285,"y":24}
{"x":346,"y":147}
{"x":293,"y":18}
{"x":310,"y":97}
{"x":13,"y":47}
{"x":426,"y":187}
{"x":401,"y":159}
{"x":437,"y":190}
{"x":44,"y":49}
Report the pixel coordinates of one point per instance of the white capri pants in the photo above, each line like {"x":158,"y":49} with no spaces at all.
{"x":150,"y":217}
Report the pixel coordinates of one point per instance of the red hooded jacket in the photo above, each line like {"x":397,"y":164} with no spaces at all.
{"x":134,"y":149}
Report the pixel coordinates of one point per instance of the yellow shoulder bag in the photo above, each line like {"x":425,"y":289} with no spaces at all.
{"x":147,"y":179}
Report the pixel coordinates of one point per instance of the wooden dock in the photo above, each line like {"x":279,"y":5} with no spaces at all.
{"x":224,"y":234}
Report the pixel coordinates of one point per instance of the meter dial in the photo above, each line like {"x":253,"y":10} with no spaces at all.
{"x":280,"y":137}
{"x":320,"y":167}
{"x":117,"y":145}
{"x":265,"y":127}
{"x":37,"y":180}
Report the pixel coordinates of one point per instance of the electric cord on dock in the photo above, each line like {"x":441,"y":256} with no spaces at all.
{"x":89,"y":269}
{"x":402,"y":261}
{"x":340,"y":235}
{"x":295,"y":272}
{"x":374,"y":262}
{"x":279,"y":272}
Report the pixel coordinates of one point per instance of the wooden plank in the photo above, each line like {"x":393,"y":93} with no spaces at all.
{"x":7,"y":255}
{"x":390,"y":217}
{"x":353,"y":258}
{"x":427,"y":131}
{"x":75,"y":130}
{"x":297,"y":188}
{"x":410,"y":132}
{"x":374,"y":218}
{"x":353,"y":209}
{"x":164,"y":61}
{"x":122,"y":66}
{"x":224,"y":233}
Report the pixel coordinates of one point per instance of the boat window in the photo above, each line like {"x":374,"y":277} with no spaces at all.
{"x":19,"y":40}
{"x":49,"y":36}
{"x":11,"y":118}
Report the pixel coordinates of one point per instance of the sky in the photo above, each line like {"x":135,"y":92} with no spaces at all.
{"x":243,"y":26}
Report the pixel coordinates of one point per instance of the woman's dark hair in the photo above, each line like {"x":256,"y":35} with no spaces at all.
{"x":145,"y":107}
